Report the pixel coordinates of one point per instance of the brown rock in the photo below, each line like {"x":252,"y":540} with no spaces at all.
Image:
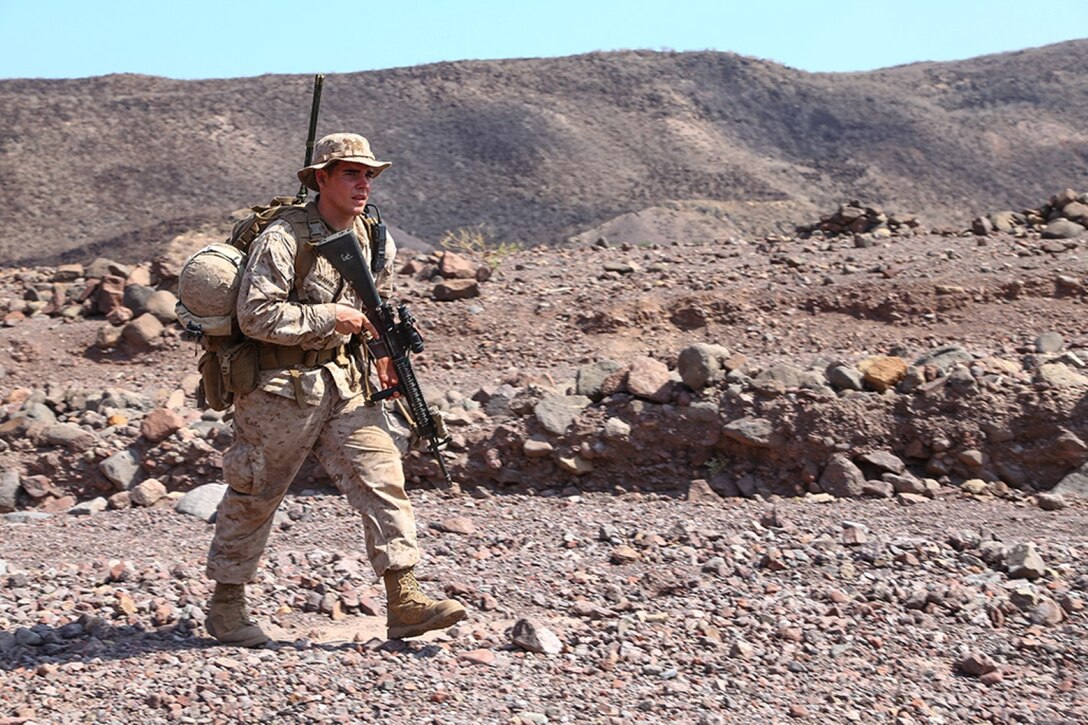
{"x":110,"y":294}
{"x":976,"y":664}
{"x":37,"y":486}
{"x":454,"y":266}
{"x":624,"y":554}
{"x":478,"y":657}
{"x":148,"y":492}
{"x":108,"y":337}
{"x":536,"y":448}
{"x":161,"y":304}
{"x":140,"y":274}
{"x":68,"y":272}
{"x":854,"y":534}
{"x":119,"y":316}
{"x":125,"y":603}
{"x":842,"y":478}
{"x":55,"y":505}
{"x":1047,"y":612}
{"x":456,"y":289}
{"x":1062,"y":229}
{"x":1075,"y":210}
{"x":455,"y":525}
{"x":143,"y":333}
{"x":120,"y":500}
{"x":575,"y":464}
{"x":882,"y":372}
{"x":700,"y":490}
{"x":160,"y":424}
{"x":649,"y":378}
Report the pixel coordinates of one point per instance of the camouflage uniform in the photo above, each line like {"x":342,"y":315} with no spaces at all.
{"x":297,"y":410}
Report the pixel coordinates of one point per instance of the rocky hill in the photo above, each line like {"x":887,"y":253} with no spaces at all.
{"x":639,"y":146}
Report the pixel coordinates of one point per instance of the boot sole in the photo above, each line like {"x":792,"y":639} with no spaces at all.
{"x":439,"y":622}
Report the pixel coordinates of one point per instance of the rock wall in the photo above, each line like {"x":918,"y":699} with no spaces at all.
{"x":881,"y":428}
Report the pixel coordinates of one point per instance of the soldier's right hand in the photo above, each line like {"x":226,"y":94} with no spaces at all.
{"x":350,"y":321}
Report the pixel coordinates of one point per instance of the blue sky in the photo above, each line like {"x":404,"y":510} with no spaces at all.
{"x":224,"y":39}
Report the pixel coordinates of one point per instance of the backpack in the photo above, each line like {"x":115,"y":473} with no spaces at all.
{"x":208,"y":290}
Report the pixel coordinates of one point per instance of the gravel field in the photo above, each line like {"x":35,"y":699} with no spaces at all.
{"x":642,"y":608}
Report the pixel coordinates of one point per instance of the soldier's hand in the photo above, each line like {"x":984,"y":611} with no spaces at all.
{"x":350,"y":321}
{"x":387,"y":374}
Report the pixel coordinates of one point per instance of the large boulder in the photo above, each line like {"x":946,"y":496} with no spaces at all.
{"x":841,"y":478}
{"x":701,"y":364}
{"x":589,"y":379}
{"x":557,"y":412}
{"x":143,"y":333}
{"x":202,"y":501}
{"x":1062,"y":229}
{"x":650,"y":379}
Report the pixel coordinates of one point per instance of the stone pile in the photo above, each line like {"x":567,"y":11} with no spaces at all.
{"x":89,"y":449}
{"x":104,"y":447}
{"x":137,"y":301}
{"x":458,"y":275}
{"x":133,"y":300}
{"x":882,"y":426}
{"x":1064,"y":216}
{"x":861,"y":222}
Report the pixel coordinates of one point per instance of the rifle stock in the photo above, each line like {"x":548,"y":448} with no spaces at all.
{"x":398,"y":337}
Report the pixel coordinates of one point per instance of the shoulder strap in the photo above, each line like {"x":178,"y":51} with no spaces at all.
{"x":375,"y":232}
{"x":248,"y":228}
{"x":308,"y":228}
{"x":377,"y":256}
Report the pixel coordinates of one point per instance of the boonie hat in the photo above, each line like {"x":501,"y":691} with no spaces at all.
{"x":349,"y":147}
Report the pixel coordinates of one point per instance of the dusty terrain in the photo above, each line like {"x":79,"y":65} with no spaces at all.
{"x":669,"y":602}
{"x":668,"y":611}
{"x":711,"y":469}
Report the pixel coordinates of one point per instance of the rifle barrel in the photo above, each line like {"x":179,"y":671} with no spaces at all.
{"x":315,"y":107}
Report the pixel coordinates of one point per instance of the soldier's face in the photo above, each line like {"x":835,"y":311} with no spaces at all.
{"x":345,"y":187}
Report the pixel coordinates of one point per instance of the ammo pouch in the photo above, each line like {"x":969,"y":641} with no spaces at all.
{"x":238,"y":363}
{"x":228,"y":370}
{"x":211,"y":393}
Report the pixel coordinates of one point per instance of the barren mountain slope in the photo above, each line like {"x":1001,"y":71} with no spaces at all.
{"x":538,"y":150}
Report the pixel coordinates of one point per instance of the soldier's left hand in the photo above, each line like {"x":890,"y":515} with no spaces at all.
{"x":387,"y":374}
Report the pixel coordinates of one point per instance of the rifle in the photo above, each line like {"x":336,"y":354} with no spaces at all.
{"x":315,"y":106}
{"x":398,"y":338}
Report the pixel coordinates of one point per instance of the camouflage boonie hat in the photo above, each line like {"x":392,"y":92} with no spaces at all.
{"x":349,"y":147}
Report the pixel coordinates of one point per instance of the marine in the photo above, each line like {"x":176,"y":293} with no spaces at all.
{"x":311,"y":395}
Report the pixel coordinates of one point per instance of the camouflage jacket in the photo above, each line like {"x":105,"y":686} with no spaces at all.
{"x":269,"y":310}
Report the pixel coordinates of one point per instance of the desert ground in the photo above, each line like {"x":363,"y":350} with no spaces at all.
{"x":764,"y":530}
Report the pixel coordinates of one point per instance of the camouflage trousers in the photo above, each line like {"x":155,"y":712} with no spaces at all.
{"x":272,"y":435}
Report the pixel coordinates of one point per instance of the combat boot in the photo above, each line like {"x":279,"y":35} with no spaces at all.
{"x":411,"y":612}
{"x":227,"y":619}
